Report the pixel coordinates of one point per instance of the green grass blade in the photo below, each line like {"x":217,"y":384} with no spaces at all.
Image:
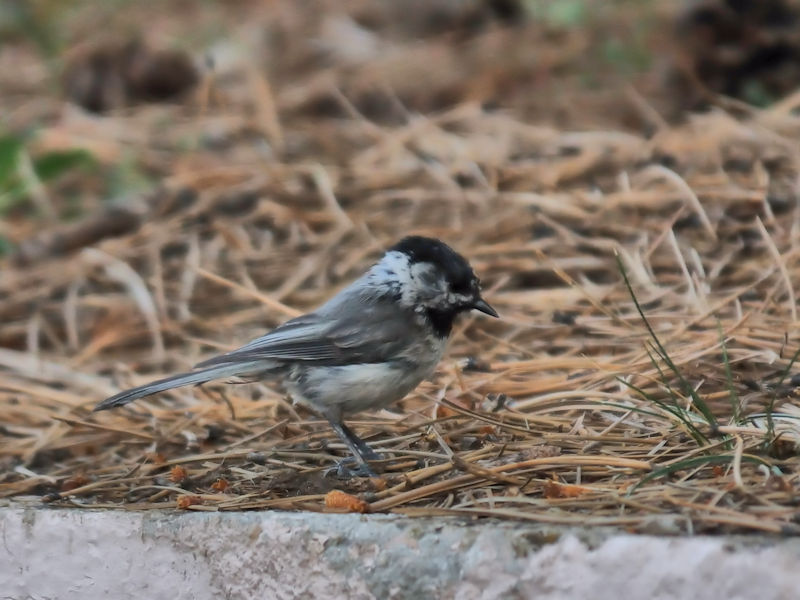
{"x":698,"y":402}
{"x":774,"y":396}
{"x":736,"y":406}
{"x":712,"y":459}
{"x":695,"y":433}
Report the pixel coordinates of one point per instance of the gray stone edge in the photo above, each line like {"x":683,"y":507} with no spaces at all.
{"x":81,"y":553}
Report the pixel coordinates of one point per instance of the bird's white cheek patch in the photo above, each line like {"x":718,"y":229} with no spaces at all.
{"x":419,"y":284}
{"x":459,"y":299}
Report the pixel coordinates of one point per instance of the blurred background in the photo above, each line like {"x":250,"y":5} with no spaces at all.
{"x":176,"y":177}
{"x":130,"y":93}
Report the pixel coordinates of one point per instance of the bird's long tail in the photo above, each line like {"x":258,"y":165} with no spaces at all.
{"x":180,"y":380}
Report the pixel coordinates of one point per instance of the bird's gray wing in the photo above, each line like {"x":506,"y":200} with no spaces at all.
{"x":371,"y":333}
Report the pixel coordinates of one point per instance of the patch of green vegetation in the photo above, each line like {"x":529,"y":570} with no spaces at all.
{"x":736,"y":404}
{"x":11,"y":187}
{"x":695,"y":416}
{"x":757,"y":94}
{"x":47,"y":167}
{"x":558,"y":13}
{"x":127,"y":178}
{"x":10,"y":147}
{"x":624,"y":44}
{"x":628,"y":56}
{"x":772,"y":437}
{"x":5,"y":246}
{"x":695,"y":462}
{"x":51,"y":165}
{"x":691,"y":412}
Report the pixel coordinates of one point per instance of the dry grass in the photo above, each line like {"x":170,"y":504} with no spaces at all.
{"x":564,"y":411}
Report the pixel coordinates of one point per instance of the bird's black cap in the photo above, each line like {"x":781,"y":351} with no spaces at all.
{"x":424,"y":249}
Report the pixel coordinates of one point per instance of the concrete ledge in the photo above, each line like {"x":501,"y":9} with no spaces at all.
{"x":72,"y":553}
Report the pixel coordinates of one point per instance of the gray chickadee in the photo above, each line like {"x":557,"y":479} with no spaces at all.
{"x":365,"y":348}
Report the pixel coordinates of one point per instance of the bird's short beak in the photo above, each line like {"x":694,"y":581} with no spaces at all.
{"x":483,"y":306}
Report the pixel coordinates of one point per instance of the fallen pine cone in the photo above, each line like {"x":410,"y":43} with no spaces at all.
{"x":220,"y":485}
{"x":185,"y":501}
{"x":340,"y":499}
{"x":72,"y":483}
{"x":554,"y":489}
{"x":177,"y":474}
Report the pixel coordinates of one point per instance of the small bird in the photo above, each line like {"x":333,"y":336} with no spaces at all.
{"x":367,"y":347}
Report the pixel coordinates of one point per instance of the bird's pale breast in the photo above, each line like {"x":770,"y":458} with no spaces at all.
{"x":346,"y":389}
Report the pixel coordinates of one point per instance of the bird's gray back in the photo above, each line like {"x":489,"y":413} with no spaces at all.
{"x":356,"y":326}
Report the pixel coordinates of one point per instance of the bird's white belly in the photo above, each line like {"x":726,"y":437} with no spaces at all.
{"x":352,"y":388}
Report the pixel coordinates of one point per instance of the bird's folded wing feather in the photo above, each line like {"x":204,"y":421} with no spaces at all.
{"x":372,"y":334}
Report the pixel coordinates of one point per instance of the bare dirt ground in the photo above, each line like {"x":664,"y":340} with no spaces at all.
{"x":243,"y":161}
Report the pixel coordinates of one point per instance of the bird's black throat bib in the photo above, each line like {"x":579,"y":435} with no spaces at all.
{"x":441,"y":321}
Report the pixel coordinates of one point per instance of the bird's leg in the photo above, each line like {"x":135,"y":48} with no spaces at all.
{"x":360,"y":450}
{"x":362,"y":446}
